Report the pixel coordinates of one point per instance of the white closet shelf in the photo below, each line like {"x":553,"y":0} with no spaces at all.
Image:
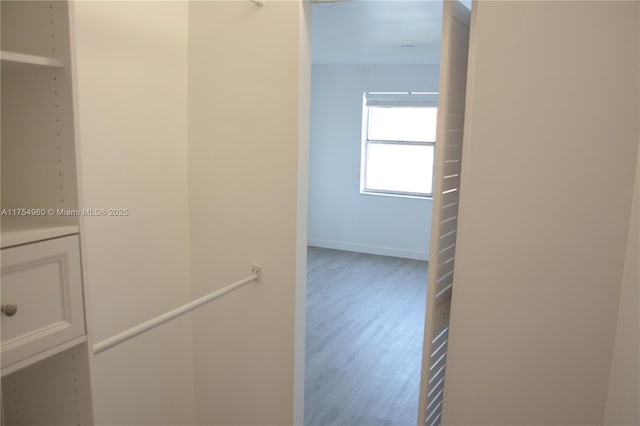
{"x":13,"y":60}
{"x":18,"y":230}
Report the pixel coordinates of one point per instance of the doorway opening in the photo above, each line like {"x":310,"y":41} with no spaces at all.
{"x":369,"y":214}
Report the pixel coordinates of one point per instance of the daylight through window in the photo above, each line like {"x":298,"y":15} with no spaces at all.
{"x":399,"y":133}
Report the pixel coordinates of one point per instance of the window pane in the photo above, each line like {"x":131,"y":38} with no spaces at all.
{"x":402,"y":124}
{"x":405,"y":168}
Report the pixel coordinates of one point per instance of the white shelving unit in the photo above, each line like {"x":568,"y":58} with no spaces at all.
{"x":18,"y":230}
{"x":38,"y":144}
{"x":45,"y":356}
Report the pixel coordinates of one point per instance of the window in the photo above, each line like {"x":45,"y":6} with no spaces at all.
{"x":398,"y":143}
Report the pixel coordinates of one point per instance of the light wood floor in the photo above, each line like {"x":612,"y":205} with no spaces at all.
{"x":365,"y":319}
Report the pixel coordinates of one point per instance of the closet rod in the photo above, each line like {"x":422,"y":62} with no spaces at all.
{"x":109,"y":343}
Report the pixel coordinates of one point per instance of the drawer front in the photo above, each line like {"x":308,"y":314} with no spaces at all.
{"x":43,"y":280}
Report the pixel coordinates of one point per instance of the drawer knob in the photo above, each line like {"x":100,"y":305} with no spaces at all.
{"x":9,"y":309}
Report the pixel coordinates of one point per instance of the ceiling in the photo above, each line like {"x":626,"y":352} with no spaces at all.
{"x":365,"y":32}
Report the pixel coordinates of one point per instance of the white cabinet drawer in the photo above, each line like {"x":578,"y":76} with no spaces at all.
{"x":43,"y":281}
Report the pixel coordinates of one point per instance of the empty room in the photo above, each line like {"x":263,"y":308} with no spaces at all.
{"x":374,"y":84}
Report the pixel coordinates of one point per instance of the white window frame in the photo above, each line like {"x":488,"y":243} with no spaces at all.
{"x":392,"y":100}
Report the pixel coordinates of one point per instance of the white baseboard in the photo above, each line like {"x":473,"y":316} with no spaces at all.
{"x":363,"y":248}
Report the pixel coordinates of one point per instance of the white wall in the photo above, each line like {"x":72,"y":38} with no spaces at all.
{"x":339,"y":216}
{"x":245,"y":132}
{"x":550,"y":150}
{"x":194,"y":116}
{"x":131,"y":93}
{"x":623,"y":399}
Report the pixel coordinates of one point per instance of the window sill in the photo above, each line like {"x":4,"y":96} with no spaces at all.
{"x":386,"y":194}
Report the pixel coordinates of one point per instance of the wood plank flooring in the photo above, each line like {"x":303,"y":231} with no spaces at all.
{"x":365,"y":319}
